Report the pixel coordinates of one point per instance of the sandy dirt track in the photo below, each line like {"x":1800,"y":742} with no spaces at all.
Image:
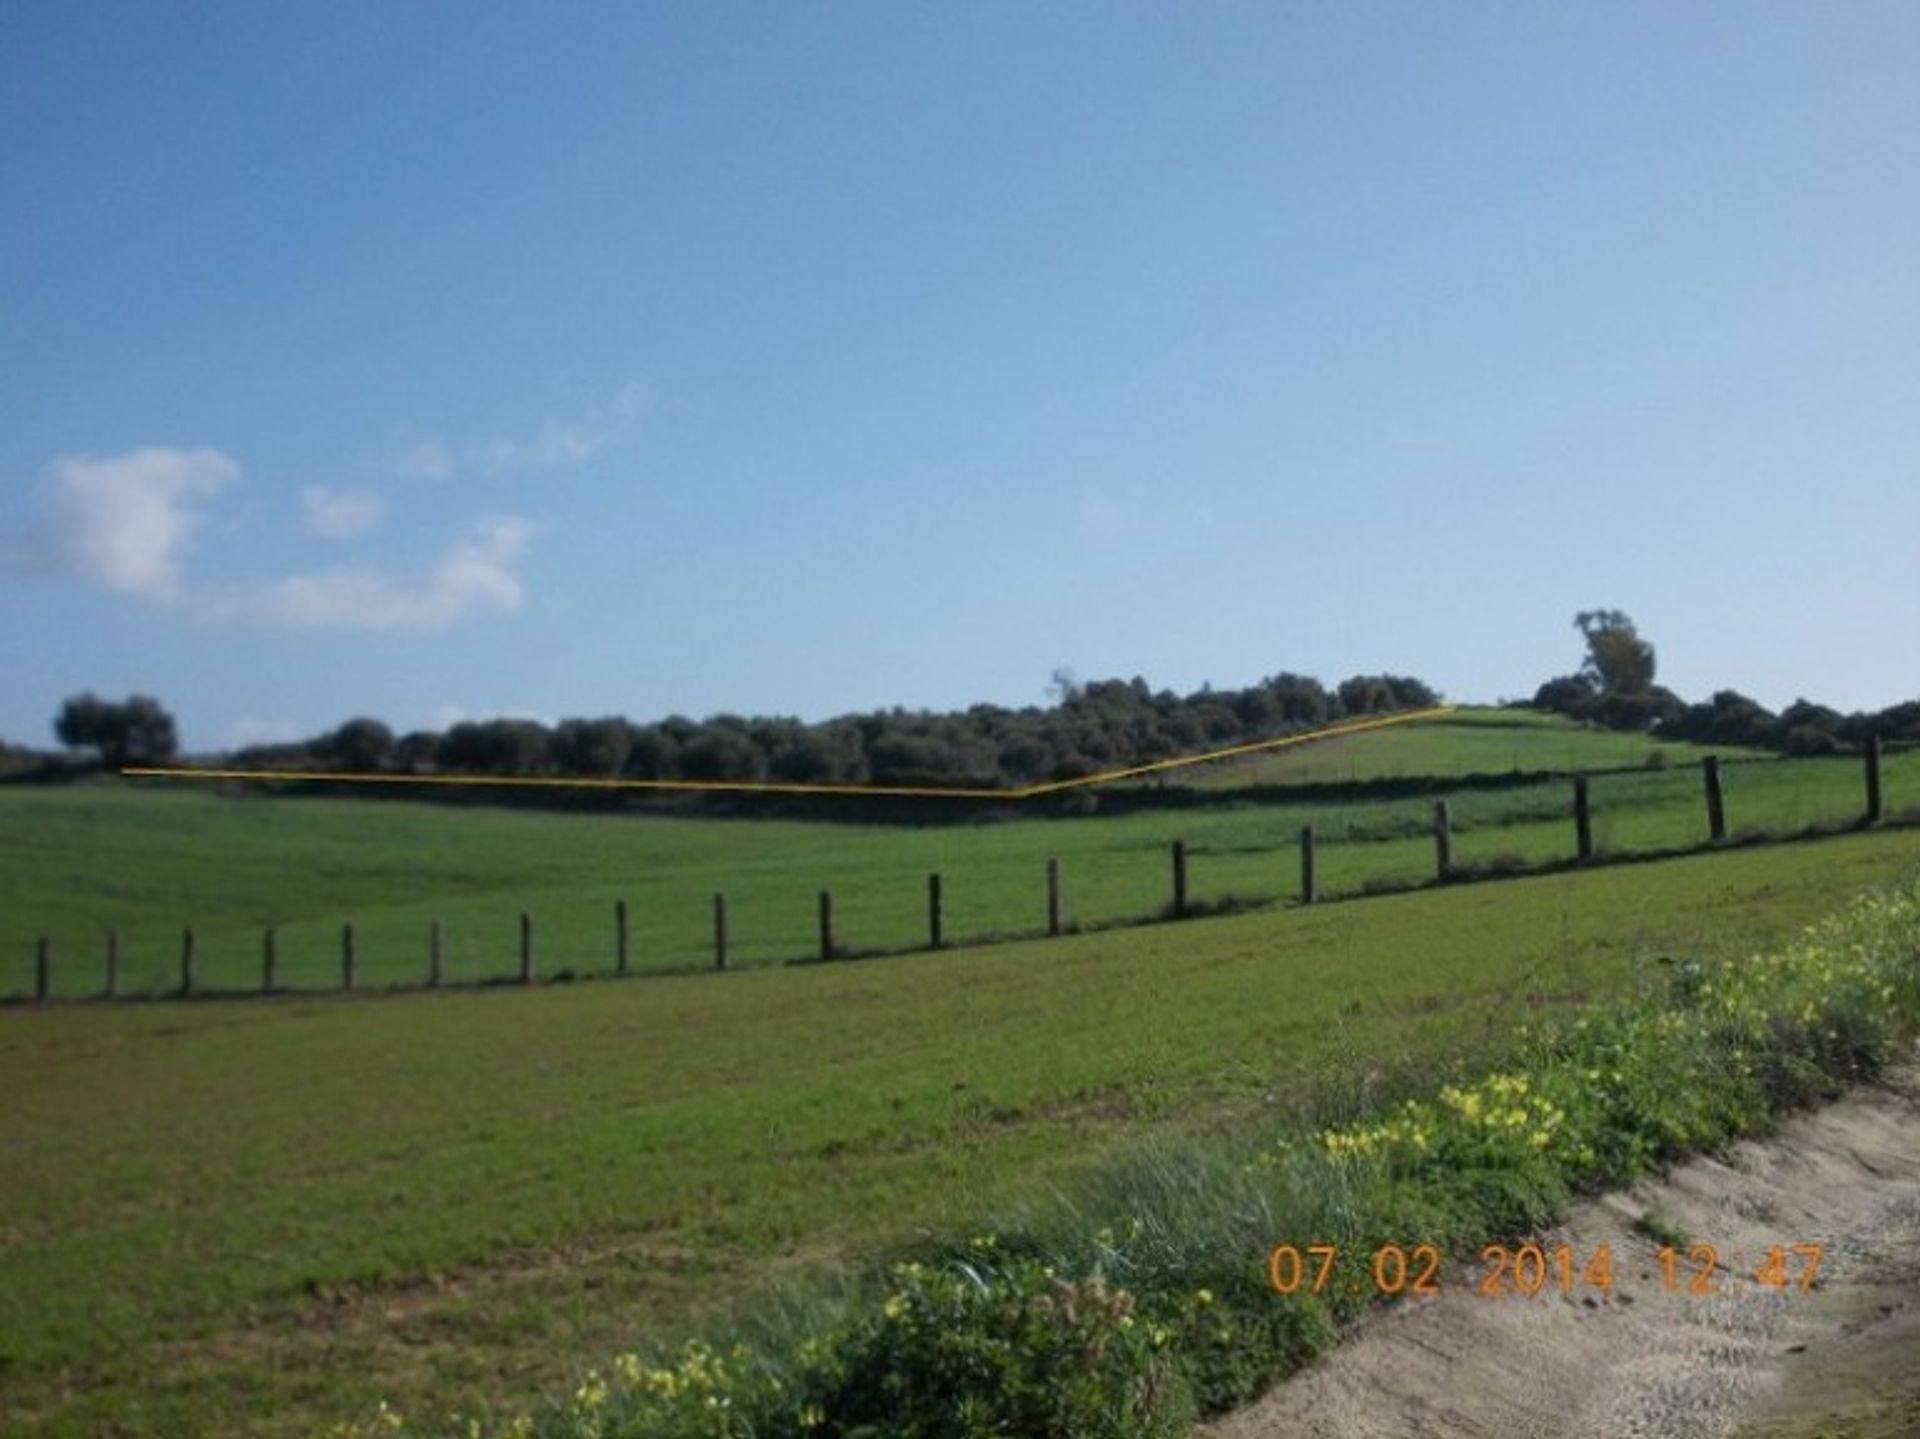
{"x":1840,"y":1359}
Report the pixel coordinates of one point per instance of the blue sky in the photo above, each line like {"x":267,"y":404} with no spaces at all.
{"x":442,"y":360}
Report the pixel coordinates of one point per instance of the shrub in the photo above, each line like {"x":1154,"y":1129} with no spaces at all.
{"x":1806,"y":740}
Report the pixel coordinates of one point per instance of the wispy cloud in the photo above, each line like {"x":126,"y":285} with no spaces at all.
{"x":422,"y":460}
{"x":478,"y":574}
{"x":555,"y":447}
{"x":126,"y":521}
{"x":339,"y":514}
{"x":632,"y":401}
{"x":558,"y":444}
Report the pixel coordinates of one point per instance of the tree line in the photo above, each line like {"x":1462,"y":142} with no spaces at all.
{"x":1089,"y":728}
{"x":1100,"y":725}
{"x":1614,"y":687}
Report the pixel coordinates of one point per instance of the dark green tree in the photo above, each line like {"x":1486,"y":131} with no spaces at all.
{"x":1618,"y":661}
{"x":136,"y":731}
{"x":592,"y":748}
{"x":360,"y":744}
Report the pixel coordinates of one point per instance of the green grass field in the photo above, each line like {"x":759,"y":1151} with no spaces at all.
{"x":149,"y":860}
{"x":244,"y":1217}
{"x":228,"y":1218}
{"x":1473,"y":739}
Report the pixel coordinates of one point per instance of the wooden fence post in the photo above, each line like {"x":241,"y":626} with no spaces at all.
{"x":719,"y":931}
{"x":42,"y":967}
{"x":1582,"y":819}
{"x":346,"y":956}
{"x":269,"y":959}
{"x":436,"y":950}
{"x":186,"y":960}
{"x":1053,"y":896}
{"x":620,"y":937}
{"x":113,"y":963}
{"x":1309,"y":883}
{"x":1443,"y":840}
{"x":1873,"y":779}
{"x":826,"y":924}
{"x":933,"y":911}
{"x":1716,"y":807}
{"x":1179,"y":879}
{"x":526,"y":947}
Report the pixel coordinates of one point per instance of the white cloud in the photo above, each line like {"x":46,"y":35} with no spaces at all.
{"x":480,"y":573}
{"x":423,"y":460}
{"x":337,"y":514}
{"x":124,"y":521}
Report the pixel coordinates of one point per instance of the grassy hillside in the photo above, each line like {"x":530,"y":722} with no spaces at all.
{"x":242,"y":1218}
{"x":1470,"y":740}
{"x":148,"y":860}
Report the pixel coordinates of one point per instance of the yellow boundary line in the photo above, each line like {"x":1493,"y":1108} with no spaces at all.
{"x":751,"y":787}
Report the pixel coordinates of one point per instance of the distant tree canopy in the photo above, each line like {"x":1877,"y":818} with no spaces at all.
{"x":1618,"y":661}
{"x":359,"y":744}
{"x":135,"y":731}
{"x":1095,"y":725}
{"x":1614,"y":687}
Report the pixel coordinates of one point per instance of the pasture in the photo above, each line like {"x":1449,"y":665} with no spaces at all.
{"x":148,"y":860}
{"x":1473,"y":739}
{"x":240,"y":1217}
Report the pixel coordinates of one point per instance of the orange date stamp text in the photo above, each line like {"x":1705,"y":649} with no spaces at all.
{"x":1524,"y":1270}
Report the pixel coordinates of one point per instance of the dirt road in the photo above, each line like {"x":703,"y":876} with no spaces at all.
{"x":1747,"y":1359}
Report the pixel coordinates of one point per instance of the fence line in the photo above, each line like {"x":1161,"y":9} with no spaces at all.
{"x":830,"y":941}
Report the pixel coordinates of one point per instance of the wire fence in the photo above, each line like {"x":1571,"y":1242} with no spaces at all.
{"x":1276,"y":855}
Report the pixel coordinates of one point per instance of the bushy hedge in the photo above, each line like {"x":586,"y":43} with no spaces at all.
{"x":1729,"y":718}
{"x":1100,"y":725}
{"x":1144,"y":1300}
